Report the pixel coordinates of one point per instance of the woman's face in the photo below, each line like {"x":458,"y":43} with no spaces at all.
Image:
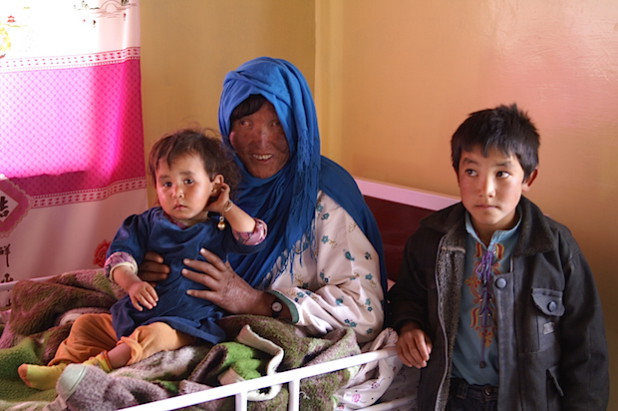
{"x":259,"y":141}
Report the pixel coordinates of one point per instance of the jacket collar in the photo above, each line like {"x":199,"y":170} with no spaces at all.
{"x":534,"y":236}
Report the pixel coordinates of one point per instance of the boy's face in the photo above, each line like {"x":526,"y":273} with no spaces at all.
{"x":490,"y":189}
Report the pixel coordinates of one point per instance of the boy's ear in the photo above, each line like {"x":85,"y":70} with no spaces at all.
{"x":528,"y":181}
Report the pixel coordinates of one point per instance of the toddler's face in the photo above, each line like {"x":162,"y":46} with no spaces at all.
{"x":183,"y":189}
{"x":490,"y":189}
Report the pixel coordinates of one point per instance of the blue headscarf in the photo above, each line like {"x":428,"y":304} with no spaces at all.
{"x":287,"y":200}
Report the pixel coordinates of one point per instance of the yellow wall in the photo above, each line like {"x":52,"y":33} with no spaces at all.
{"x":393,"y":79}
{"x":406,"y":73}
{"x":189,"y":45}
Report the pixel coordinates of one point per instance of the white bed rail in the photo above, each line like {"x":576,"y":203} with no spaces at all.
{"x":291,"y":377}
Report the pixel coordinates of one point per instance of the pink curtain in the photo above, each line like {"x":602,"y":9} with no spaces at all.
{"x":71,"y":137}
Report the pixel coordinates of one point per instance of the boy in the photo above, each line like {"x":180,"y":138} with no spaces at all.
{"x":495,"y":302}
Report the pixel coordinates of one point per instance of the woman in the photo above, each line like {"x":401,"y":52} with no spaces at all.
{"x":322,"y":266}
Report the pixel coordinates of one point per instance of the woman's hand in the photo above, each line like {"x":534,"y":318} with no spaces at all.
{"x":225,"y":288}
{"x":152,"y":268}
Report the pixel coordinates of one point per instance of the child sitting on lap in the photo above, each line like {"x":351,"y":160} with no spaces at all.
{"x":192,"y":173}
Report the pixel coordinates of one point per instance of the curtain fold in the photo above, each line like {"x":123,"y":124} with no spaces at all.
{"x":71,"y":135}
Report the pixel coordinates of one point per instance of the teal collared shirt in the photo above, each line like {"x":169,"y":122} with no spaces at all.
{"x":475,"y":357}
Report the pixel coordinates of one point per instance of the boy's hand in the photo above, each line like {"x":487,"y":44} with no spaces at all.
{"x":413,"y":346}
{"x":142,"y":293}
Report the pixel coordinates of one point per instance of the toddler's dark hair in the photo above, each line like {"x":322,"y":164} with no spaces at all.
{"x":206,"y":143}
{"x":506,"y":128}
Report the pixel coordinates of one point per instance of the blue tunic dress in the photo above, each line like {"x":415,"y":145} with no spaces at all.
{"x":153,"y":231}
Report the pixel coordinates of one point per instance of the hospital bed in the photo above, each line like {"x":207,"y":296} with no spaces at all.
{"x":398,"y":211}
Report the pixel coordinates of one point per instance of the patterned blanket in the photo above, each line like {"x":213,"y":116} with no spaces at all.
{"x":40,"y":319}
{"x":43,"y":310}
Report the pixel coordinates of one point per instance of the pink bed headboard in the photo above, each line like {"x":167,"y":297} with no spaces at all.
{"x":398,"y":211}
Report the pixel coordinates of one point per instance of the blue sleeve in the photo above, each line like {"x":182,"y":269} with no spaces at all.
{"x":132,"y":236}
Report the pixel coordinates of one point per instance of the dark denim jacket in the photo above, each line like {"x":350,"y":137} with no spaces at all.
{"x":551,"y":338}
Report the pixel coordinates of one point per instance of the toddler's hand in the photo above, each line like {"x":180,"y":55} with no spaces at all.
{"x":142,"y":294}
{"x":219,"y":203}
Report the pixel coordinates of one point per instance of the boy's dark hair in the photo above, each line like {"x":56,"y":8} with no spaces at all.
{"x":248,"y":106}
{"x":204,"y":143}
{"x":506,"y":128}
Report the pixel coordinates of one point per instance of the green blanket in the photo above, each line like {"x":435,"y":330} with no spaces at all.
{"x":38,"y":307}
{"x":12,"y":389}
{"x":35,"y":327}
{"x":34,"y":331}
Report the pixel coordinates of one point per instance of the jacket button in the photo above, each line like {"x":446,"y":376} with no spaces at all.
{"x":552,"y":306}
{"x":500,"y":283}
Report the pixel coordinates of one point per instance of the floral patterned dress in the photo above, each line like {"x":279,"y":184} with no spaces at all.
{"x":336,"y":281}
